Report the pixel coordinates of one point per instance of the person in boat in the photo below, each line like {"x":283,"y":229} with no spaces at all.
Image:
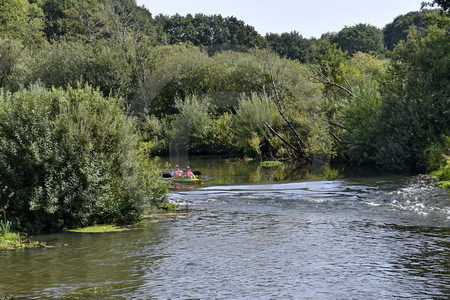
{"x":177,"y":173}
{"x":187,"y":173}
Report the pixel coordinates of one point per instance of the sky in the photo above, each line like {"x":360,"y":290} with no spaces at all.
{"x":310,"y":18}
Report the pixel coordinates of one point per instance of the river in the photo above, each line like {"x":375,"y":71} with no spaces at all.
{"x":257,"y":233}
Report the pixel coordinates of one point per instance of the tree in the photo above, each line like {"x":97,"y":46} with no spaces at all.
{"x":358,"y":115}
{"x":70,"y":159}
{"x":444,"y":4}
{"x":290,"y":45}
{"x":360,"y":38}
{"x":86,"y":20}
{"x":214,"y":32}
{"x":21,"y":20}
{"x":101,"y":64}
{"x":286,"y":83}
{"x":13,"y":68}
{"x":414,"y":112}
{"x":398,"y":29}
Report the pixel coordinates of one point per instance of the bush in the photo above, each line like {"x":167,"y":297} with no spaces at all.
{"x":70,"y":159}
{"x":252,"y":135}
{"x":192,"y":126}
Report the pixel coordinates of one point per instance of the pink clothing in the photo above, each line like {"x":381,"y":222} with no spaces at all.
{"x":177,"y":173}
{"x":188,"y":174}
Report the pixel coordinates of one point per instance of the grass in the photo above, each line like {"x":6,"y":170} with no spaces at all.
{"x":271,"y":163}
{"x":331,"y":173}
{"x":10,"y":240}
{"x":443,"y":175}
{"x":13,"y":240}
{"x":104,"y":228}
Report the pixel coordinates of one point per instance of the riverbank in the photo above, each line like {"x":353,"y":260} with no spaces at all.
{"x":442,"y":175}
{"x":13,"y":241}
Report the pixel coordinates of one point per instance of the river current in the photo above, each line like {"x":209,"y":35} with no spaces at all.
{"x":376,"y":237}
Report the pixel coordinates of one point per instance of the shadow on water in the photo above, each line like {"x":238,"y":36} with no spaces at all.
{"x":76,"y":265}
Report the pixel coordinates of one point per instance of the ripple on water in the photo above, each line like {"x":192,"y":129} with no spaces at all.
{"x":338,"y":239}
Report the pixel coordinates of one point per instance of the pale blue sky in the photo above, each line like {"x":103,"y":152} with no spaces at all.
{"x":309,"y":18}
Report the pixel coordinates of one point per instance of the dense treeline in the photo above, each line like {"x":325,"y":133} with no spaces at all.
{"x":201,"y":84}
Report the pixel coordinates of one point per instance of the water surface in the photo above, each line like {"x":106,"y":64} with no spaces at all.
{"x":260,"y":236}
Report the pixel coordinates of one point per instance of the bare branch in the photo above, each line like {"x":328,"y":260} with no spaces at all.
{"x":336,"y":124}
{"x":325,"y":80}
{"x":280,"y":137}
{"x":336,"y":137}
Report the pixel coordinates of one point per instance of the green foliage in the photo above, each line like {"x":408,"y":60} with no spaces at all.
{"x":359,"y":114}
{"x":99,"y":64}
{"x":416,"y":100}
{"x":443,"y":4}
{"x":85,"y":20}
{"x":398,"y":29}
{"x":438,"y":159}
{"x":359,"y":117}
{"x":331,"y":63}
{"x":228,"y":33}
{"x":290,"y":45}
{"x":170,"y":78}
{"x":360,"y":38}
{"x":271,"y":163}
{"x":192,"y":126}
{"x":6,"y":225}
{"x":13,"y":64}
{"x":22,"y":20}
{"x":437,"y":153}
{"x":252,"y":135}
{"x":70,"y":159}
{"x":154,"y":134}
{"x":331,"y":173}
{"x":9,"y":239}
{"x":221,"y":137}
{"x":100,"y":228}
{"x":443,"y":173}
{"x":182,"y":70}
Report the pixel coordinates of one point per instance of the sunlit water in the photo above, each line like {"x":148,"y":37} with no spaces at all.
{"x":355,"y":238}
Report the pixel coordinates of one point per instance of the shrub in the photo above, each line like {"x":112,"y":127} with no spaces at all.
{"x":70,"y":159}
{"x":251,"y":133}
{"x":192,"y":126}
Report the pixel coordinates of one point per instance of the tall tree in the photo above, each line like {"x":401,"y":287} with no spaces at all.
{"x":213,"y":30}
{"x":290,"y":45}
{"x":398,"y":29}
{"x":415,"y":113}
{"x":21,"y":20}
{"x":444,"y":4}
{"x":360,"y":38}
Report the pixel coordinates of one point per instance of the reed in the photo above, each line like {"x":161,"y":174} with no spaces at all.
{"x":5,"y":225}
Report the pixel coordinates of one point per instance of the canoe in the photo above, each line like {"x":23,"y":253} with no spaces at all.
{"x":186,"y":180}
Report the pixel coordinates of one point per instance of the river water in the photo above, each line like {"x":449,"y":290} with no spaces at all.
{"x":257,"y":233}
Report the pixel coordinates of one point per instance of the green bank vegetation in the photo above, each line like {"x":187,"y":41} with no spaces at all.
{"x":92,"y":90}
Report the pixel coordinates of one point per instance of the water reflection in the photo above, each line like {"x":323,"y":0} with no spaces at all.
{"x":426,"y":256}
{"x":80,"y":264}
{"x":258,"y":233}
{"x":231,"y":171}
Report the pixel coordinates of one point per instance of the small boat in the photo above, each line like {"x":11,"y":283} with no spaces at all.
{"x":182,"y":178}
{"x":186,"y":180}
